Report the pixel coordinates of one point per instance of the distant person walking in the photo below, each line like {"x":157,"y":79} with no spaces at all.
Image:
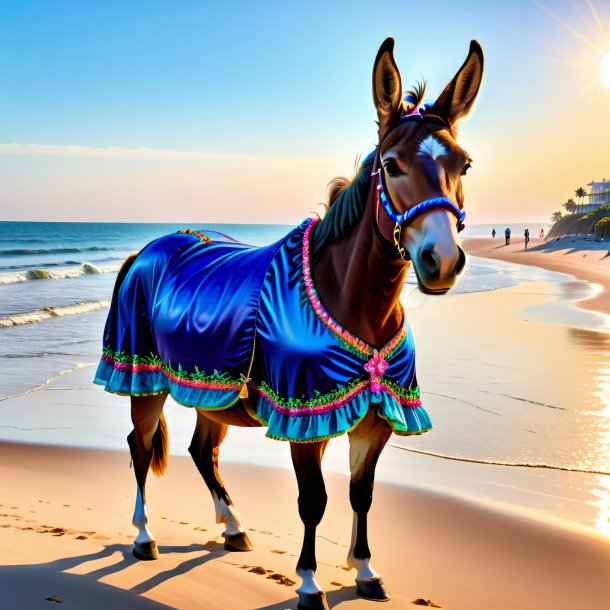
{"x":507,"y":235}
{"x":541,"y":233}
{"x":493,"y":233}
{"x":527,"y":237}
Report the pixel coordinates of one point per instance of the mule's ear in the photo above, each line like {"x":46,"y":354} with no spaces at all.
{"x":387,"y":89}
{"x":458,"y":97}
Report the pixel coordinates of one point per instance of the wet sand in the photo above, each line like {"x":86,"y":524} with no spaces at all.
{"x":585,"y":260}
{"x":499,"y":382}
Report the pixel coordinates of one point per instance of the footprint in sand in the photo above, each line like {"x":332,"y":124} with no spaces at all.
{"x":425,"y":602}
{"x":280,"y":579}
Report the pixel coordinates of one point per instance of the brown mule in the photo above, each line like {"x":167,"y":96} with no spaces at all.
{"x":404,"y":206}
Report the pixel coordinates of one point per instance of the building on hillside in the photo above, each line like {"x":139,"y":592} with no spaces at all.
{"x":599,"y":195}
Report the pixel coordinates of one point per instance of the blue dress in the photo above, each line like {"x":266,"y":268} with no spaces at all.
{"x":207,"y":319}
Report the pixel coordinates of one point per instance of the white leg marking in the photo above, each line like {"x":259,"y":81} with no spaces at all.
{"x":140,"y":520}
{"x":228,"y":515}
{"x":309,"y":584}
{"x":362,"y":566}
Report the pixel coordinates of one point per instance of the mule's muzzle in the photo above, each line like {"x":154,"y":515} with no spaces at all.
{"x":435,"y":271}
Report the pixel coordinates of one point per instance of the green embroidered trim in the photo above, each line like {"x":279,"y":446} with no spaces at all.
{"x":154,"y":362}
{"x":336,"y":397}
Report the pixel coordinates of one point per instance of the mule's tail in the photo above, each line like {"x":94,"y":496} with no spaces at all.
{"x":160,"y":441}
{"x":160,"y":445}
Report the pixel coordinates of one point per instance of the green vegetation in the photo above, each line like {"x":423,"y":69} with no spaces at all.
{"x":580,"y":193}
{"x":602,"y":228}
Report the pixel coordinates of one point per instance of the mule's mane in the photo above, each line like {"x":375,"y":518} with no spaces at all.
{"x":416,"y":94}
{"x":345,"y":199}
{"x":345,"y":202}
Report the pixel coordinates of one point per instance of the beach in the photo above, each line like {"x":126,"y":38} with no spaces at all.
{"x":505,"y":504}
{"x":585,"y":259}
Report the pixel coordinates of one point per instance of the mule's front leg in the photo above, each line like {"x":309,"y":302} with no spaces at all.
{"x":307,"y":461}
{"x":366,"y":443}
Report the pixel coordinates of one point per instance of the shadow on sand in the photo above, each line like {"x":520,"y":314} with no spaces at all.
{"x":30,"y":586}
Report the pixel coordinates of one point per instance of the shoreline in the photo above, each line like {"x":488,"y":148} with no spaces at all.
{"x":69,"y":536}
{"x":500,"y":384}
{"x":587,"y":261}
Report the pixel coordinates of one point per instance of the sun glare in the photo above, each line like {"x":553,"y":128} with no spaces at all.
{"x":604,"y":71}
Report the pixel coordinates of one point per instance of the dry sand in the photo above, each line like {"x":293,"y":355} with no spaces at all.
{"x":585,"y":260}
{"x":65,"y":534}
{"x":454,"y":534}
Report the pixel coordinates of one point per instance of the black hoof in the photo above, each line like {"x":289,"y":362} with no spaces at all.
{"x":238,"y":542}
{"x":373,"y":590}
{"x":146,"y":551}
{"x":312,"y":601}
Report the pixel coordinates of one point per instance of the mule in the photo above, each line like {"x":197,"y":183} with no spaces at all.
{"x":306,"y":336}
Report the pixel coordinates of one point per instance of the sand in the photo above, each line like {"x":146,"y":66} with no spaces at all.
{"x":65,"y":534}
{"x":584,"y":259}
{"x":465,"y":535}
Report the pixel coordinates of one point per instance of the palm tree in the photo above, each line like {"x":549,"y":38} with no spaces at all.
{"x":580,"y":193}
{"x":556,"y":216}
{"x":570,"y":205}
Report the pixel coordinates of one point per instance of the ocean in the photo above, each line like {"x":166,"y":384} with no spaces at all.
{"x":56,"y":282}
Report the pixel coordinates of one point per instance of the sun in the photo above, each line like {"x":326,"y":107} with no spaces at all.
{"x":604,"y":71}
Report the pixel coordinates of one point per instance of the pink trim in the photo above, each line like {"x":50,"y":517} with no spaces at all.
{"x":125,"y":367}
{"x":358,"y":344}
{"x":412,"y":403}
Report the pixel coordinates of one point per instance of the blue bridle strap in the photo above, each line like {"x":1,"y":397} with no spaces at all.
{"x":411,"y":213}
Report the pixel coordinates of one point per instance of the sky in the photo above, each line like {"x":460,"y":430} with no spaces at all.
{"x":196,"y":111}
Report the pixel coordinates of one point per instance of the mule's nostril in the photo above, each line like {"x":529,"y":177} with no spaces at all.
{"x":461,"y":262}
{"x":428,"y":261}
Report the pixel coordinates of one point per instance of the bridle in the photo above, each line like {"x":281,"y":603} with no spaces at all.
{"x":406,"y":217}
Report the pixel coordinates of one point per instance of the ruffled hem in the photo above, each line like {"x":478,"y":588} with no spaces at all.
{"x":189,"y":393}
{"x":314,"y":427}
{"x":323,"y":418}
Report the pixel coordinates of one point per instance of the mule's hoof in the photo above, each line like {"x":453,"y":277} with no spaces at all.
{"x":238,"y":542}
{"x":146,"y":551}
{"x":312,"y":601}
{"x":373,"y":589}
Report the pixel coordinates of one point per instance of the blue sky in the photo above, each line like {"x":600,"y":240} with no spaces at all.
{"x":279,"y":95}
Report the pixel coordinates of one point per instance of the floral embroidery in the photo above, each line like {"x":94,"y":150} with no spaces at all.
{"x":376,"y":367}
{"x":126,"y":363}
{"x":324,"y":403}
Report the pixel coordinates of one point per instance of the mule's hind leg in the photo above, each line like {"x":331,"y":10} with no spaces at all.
{"x":146,"y":413}
{"x":365,"y":445}
{"x":307,"y":461}
{"x":205,"y":449}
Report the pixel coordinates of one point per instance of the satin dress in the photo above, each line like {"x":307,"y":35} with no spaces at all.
{"x":208,"y":319}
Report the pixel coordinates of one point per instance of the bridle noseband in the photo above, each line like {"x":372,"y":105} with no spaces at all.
{"x":408,"y":215}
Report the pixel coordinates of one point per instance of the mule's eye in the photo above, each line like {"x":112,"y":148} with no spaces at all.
{"x":466,"y":168}
{"x":391,"y":167}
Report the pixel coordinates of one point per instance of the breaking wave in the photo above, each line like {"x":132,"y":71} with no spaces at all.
{"x":39,"y":251}
{"x":46,"y":313}
{"x":14,"y":277}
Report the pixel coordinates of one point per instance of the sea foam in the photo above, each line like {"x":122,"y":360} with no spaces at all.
{"x":45,"y":313}
{"x":14,"y":277}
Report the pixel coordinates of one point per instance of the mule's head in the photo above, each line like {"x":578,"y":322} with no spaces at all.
{"x":419,"y":168}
